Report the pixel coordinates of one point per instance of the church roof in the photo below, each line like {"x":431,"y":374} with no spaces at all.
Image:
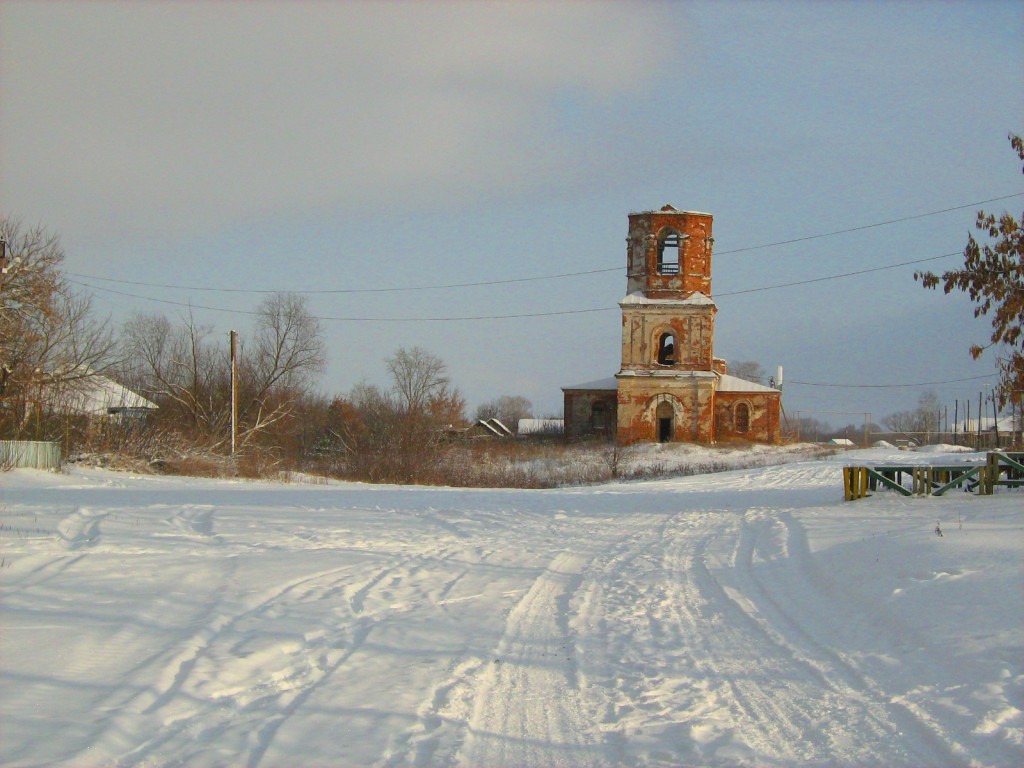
{"x":668,"y":209}
{"x":727,"y":383}
{"x":600,"y":385}
{"x":695,"y":299}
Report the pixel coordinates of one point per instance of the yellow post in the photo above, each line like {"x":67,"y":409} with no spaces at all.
{"x":855,"y":482}
{"x":988,"y":476}
{"x":922,"y":481}
{"x":848,"y":483}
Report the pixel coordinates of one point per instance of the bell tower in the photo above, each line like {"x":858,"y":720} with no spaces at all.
{"x":667,"y":379}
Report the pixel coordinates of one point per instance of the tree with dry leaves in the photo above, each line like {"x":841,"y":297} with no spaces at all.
{"x":993,"y":277}
{"x":51,"y":345}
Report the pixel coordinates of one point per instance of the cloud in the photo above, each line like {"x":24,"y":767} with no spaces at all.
{"x":161,"y":116}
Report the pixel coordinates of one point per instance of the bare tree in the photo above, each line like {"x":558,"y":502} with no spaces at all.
{"x":417,"y":376}
{"x":921,"y":423}
{"x":286,"y":354}
{"x":187,"y":371}
{"x":49,"y":340}
{"x":400,"y":434}
{"x":181,"y":369}
{"x":748,"y":370}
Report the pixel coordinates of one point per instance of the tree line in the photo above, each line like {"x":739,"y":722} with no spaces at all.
{"x":54,"y":350}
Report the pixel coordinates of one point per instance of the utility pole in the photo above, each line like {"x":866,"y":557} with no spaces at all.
{"x":956,"y":418}
{"x":981,"y":410}
{"x":995,"y":419}
{"x":234,"y":389}
{"x":3,"y":261}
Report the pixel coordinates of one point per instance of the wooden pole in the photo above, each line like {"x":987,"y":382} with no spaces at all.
{"x":234,"y":389}
{"x":3,"y":261}
{"x":981,"y":410}
{"x":995,"y":420}
{"x":956,"y":416}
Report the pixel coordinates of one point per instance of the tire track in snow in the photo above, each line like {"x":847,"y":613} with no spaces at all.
{"x":204,"y":691}
{"x":441,"y":727}
{"x":665,"y":704}
{"x":80,"y":528}
{"x":782,"y":543}
{"x":195,"y":521}
{"x":682,"y":662}
{"x":527,"y":709}
{"x":228,"y":686}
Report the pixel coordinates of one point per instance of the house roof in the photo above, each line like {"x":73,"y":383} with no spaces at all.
{"x":540,"y":426}
{"x":1004,"y":424}
{"x":97,"y":396}
{"x":492,"y":427}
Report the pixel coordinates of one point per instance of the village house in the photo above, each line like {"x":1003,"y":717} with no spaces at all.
{"x":670,"y":386}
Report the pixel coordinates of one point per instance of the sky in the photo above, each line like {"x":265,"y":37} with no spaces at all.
{"x":457,"y":176}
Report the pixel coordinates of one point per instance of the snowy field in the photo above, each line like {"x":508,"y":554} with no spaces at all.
{"x":747,"y":618}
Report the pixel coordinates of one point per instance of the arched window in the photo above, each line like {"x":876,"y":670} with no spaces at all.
{"x":667,"y":349}
{"x":742,"y":418}
{"x":599,"y":416}
{"x":670,"y":254}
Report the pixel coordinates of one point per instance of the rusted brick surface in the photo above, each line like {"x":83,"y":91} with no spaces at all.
{"x":667,"y":385}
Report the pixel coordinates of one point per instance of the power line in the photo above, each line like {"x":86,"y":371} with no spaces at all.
{"x":836,"y":277}
{"x":871,"y":226}
{"x":508,"y":281}
{"x":509,"y":316}
{"x":548,"y":314}
{"x":889,"y":386}
{"x":348,"y":290}
{"x":190,"y":305}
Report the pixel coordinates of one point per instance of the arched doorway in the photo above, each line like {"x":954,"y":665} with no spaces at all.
{"x":664,"y":415}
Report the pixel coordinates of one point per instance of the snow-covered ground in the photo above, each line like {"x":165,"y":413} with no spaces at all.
{"x":750,"y":617}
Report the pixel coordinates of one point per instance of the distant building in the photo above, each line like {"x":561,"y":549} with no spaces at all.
{"x":540,"y":427}
{"x":98,"y":395}
{"x":670,"y":386}
{"x":488,"y":428}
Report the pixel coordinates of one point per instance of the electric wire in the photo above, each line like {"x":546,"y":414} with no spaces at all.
{"x":508,"y":281}
{"x":507,"y":316}
{"x":889,"y":386}
{"x":191,"y":305}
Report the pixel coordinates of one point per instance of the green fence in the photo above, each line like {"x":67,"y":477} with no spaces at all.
{"x":31,"y":454}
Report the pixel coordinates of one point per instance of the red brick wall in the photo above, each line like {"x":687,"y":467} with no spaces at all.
{"x":765,"y":416}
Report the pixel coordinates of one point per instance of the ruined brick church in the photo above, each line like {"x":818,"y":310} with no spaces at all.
{"x":670,"y":386}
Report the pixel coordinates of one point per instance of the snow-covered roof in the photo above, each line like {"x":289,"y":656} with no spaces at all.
{"x":541,"y":426}
{"x":497,"y":424}
{"x":695,"y":299}
{"x":492,"y":427}
{"x":608,"y":384}
{"x":1004,"y":424}
{"x":670,"y":209}
{"x":729,"y":383}
{"x":97,"y":396}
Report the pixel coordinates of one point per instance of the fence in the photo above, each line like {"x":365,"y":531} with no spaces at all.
{"x":31,"y":454}
{"x":1000,"y":468}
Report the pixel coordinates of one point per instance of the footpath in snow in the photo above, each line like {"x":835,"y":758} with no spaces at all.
{"x":750,"y":617}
